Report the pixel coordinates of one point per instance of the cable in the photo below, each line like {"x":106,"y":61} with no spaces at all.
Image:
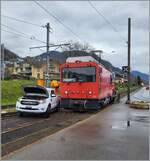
{"x":14,"y":29}
{"x":108,"y":22}
{"x":15,"y":33}
{"x":56,"y":18}
{"x":31,"y":37}
{"x":19,"y":20}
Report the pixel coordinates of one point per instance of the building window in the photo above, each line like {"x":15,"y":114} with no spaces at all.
{"x":38,"y":75}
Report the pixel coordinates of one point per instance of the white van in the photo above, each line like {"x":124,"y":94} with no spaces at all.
{"x":37,"y":99}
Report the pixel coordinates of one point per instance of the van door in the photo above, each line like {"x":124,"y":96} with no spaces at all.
{"x":54,"y":99}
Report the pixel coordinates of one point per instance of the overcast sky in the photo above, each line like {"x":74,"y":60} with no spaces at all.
{"x":86,"y":23}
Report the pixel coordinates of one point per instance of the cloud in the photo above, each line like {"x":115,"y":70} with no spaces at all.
{"x":86,"y":23}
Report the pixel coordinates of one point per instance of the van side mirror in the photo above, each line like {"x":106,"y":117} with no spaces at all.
{"x":53,"y":95}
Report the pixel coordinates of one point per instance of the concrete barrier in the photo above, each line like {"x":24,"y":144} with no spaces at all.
{"x":139,"y":104}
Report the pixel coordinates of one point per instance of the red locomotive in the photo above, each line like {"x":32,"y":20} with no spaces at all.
{"x":85,"y":84}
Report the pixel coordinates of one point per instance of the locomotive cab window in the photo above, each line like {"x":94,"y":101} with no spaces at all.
{"x":79,"y":74}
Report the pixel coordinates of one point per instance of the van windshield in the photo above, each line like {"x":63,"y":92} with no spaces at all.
{"x":79,"y":74}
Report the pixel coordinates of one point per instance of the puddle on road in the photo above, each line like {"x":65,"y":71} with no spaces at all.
{"x":139,"y":118}
{"x":119,"y":127}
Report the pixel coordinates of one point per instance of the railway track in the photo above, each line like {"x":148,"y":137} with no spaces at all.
{"x":18,"y":132}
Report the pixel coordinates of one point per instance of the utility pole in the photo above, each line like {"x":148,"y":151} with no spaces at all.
{"x":47,"y":49}
{"x":128,"y":71}
{"x":2,"y":62}
{"x":47,"y":46}
{"x":129,"y":68}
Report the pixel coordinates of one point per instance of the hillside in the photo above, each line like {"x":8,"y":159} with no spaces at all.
{"x":54,"y":55}
{"x":62,"y":56}
{"x":143,"y":76}
{"x":59,"y":56}
{"x":10,"y":56}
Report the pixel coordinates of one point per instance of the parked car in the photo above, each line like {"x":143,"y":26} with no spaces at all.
{"x":38,"y":100}
{"x":147,"y":87}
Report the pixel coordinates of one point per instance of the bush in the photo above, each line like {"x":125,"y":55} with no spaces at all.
{"x":11,"y":90}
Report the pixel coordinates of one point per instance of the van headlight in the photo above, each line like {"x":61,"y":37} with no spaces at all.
{"x":42,"y":101}
{"x":19,"y":100}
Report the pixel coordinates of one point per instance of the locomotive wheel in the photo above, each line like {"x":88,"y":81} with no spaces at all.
{"x":112,"y":100}
{"x":106,"y":101}
{"x":57,"y":109}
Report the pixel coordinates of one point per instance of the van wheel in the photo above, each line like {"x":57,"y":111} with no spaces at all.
{"x":47,"y":113}
{"x":20,"y":114}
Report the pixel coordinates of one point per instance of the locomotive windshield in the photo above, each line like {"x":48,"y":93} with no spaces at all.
{"x":79,"y":74}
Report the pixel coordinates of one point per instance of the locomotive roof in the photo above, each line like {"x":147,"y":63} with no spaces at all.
{"x":81,"y":58}
{"x":84,"y":59}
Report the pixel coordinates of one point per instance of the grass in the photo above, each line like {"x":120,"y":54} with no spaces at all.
{"x":122,"y":88}
{"x":11,"y":90}
{"x":7,"y":110}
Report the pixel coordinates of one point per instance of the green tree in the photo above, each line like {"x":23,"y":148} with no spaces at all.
{"x":139,"y":80}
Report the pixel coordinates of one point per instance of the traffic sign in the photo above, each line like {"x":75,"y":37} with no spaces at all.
{"x":125,"y":69}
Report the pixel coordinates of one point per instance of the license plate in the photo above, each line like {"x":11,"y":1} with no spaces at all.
{"x":28,"y":107}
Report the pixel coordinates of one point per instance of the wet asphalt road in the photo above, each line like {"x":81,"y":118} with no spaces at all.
{"x":104,"y":136}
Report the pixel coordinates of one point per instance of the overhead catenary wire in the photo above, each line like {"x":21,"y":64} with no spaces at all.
{"x":106,"y":20}
{"x":56,"y":18}
{"x":11,"y":28}
{"x":20,"y":35}
{"x":23,"y":21}
{"x":17,"y":34}
{"x":32,"y":37}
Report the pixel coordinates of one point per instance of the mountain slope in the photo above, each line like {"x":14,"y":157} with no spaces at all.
{"x":142,"y":75}
{"x":59,"y":56}
{"x":54,"y":55}
{"x":10,"y":56}
{"x":62,"y":56}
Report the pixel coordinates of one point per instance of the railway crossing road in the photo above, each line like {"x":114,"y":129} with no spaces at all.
{"x":103,"y":136}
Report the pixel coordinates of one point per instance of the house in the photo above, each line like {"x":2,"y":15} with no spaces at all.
{"x":22,"y":69}
{"x":39,"y":69}
{"x":120,"y":78}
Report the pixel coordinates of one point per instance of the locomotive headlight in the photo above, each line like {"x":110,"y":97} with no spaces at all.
{"x":66,"y":92}
{"x":90,"y":92}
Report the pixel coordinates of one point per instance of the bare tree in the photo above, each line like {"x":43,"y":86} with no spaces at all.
{"x":77,"y":46}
